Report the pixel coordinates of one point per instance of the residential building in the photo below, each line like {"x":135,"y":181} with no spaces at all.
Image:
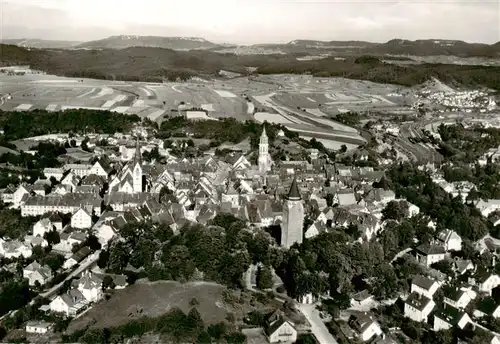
{"x":458,"y":299}
{"x":37,"y":273}
{"x":81,"y":219}
{"x":279,"y":329}
{"x":448,"y":317}
{"x":450,"y":240}
{"x":365,"y":326}
{"x":429,"y":254}
{"x":90,"y":285}
{"x":38,"y":327}
{"x":424,"y":286}
{"x":418,"y":307}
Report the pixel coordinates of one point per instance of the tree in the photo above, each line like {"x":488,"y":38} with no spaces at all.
{"x":329,"y":199}
{"x":54,"y":261}
{"x":107,"y":282}
{"x":52,"y":237}
{"x":264,"y":277}
{"x":343,"y":149}
{"x":395,"y":210}
{"x":102,"y":262}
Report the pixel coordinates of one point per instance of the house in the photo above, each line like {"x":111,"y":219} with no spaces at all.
{"x":345,"y":198}
{"x":450,"y":240}
{"x":42,"y":226}
{"x":315,"y":229}
{"x":37,"y":273}
{"x":462,"y":266}
{"x":424,"y":286}
{"x":68,"y":240}
{"x":488,"y":282}
{"x":90,"y":285}
{"x":18,"y":197}
{"x":38,"y":327}
{"x":418,"y":307}
{"x":429,"y":254}
{"x":458,"y":298}
{"x":57,"y":173}
{"x":487,"y":307}
{"x":365,"y":326}
{"x":68,"y":304}
{"x":77,"y":257}
{"x":449,"y":317}
{"x":279,"y":329}
{"x":361,"y":299}
{"x":14,"y":249}
{"x":81,"y":219}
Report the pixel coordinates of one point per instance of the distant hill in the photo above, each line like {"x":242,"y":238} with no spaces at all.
{"x":157,"y":64}
{"x":40,"y":43}
{"x":174,"y":43}
{"x":430,"y":47}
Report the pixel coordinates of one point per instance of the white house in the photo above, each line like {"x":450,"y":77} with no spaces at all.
{"x":76,"y":258}
{"x":424,"y":286}
{"x":458,"y":298}
{"x":104,"y":232}
{"x":18,"y":196}
{"x":57,"y":173}
{"x":68,"y":240}
{"x":418,"y":307}
{"x":81,"y":219}
{"x":450,"y":240}
{"x":487,"y":284}
{"x":37,"y":273}
{"x":90,"y":286}
{"x":315,"y":229}
{"x":42,"y":226}
{"x":281,"y":330}
{"x":488,"y":207}
{"x":68,"y":304}
{"x":365,"y":326}
{"x":449,"y":317}
{"x":487,"y":307}
{"x":430,"y":254}
{"x":14,"y":249}
{"x":38,"y":327}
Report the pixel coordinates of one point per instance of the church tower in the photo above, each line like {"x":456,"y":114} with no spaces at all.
{"x":265,"y":161}
{"x":292,"y":226}
{"x":137,"y":168}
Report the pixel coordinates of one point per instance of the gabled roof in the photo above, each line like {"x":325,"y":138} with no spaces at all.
{"x":450,"y":314}
{"x":430,"y":249}
{"x":418,"y":301}
{"x":423,"y":282}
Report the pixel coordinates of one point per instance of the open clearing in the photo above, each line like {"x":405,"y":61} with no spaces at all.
{"x":154,"y":299}
{"x":225,"y":94}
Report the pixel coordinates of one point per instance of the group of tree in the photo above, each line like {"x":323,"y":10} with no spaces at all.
{"x":13,"y":225}
{"x":18,"y":125}
{"x":174,"y":326}
{"x":221,"y":252}
{"x":447,"y":211}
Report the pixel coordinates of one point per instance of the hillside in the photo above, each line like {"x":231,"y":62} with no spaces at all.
{"x":155,"y":64}
{"x":40,"y":43}
{"x":174,"y":43}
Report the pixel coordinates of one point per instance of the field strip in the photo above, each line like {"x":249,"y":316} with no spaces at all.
{"x":119,"y":98}
{"x":148,"y":92}
{"x":271,"y":117}
{"x":155,"y":115}
{"x":24,"y":107}
{"x":208,"y":107}
{"x":311,"y":100}
{"x":225,"y":94}
{"x":382,"y":99}
{"x":106,"y":91}
{"x":336,"y":133}
{"x":121,"y":109}
{"x":138,"y":103}
{"x":87,"y":93}
{"x":250,"y":108}
{"x":176,"y":90}
{"x":330,"y":96}
{"x":72,"y":107}
{"x":108,"y":104}
{"x":52,"y":107}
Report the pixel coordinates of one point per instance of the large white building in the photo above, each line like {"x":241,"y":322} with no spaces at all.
{"x":129,"y":180}
{"x":293,"y":218}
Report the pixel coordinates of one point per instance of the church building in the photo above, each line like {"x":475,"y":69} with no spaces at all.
{"x":129,"y":179}
{"x":264,"y":161}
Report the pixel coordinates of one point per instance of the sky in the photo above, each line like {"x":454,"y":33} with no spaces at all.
{"x":253,"y":21}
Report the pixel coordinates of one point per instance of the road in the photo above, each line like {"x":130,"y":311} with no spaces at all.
{"x":83,"y":266}
{"x":318,"y":327}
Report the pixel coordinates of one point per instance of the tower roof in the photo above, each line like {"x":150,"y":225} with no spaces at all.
{"x":264,"y":134}
{"x":294,"y":193}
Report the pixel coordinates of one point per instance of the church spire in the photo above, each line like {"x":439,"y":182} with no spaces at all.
{"x":138,"y":155}
{"x":294,"y":194}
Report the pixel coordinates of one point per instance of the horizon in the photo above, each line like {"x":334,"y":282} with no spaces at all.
{"x":243,"y":22}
